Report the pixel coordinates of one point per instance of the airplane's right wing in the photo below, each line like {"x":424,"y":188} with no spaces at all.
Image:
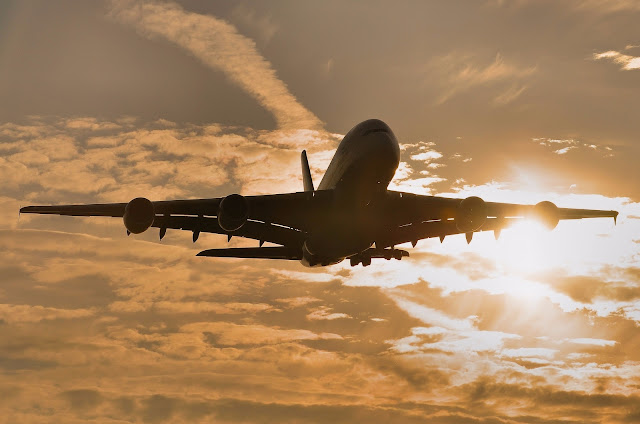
{"x":411,"y":217}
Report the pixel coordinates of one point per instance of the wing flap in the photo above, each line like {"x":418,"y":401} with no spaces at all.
{"x":414,"y":232}
{"x":251,"y":229}
{"x":287,"y":253}
{"x":108,"y":209}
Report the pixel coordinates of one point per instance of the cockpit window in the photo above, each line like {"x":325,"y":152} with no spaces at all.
{"x":375,"y":130}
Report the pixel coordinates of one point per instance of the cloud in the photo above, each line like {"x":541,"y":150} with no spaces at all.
{"x":91,"y":124}
{"x":459,"y":74}
{"x":200,"y":307}
{"x":229,"y":334}
{"x":608,"y":6}
{"x":219,"y":45}
{"x":594,"y":6}
{"x":626,"y":62}
{"x":115,"y":163}
{"x":571,"y":404}
{"x":588,"y":289}
{"x":324,"y":313}
{"x":423,"y":159}
{"x":596,"y":342}
{"x":262,"y":25}
{"x":426,"y":156}
{"x":563,"y":150}
{"x":509,"y":95}
{"x":27,"y":313}
{"x":294,"y":302}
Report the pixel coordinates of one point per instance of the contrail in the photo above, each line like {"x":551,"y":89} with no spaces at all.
{"x":218,"y":44}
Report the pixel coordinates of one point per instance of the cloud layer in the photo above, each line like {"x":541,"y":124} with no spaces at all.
{"x":110,"y":326}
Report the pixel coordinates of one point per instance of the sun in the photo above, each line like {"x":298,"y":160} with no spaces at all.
{"x":524,"y":248}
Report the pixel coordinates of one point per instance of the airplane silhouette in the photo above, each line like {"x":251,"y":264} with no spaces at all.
{"x":351,"y":215}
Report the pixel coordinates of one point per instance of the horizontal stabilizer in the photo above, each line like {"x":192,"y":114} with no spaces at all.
{"x":279,"y":252}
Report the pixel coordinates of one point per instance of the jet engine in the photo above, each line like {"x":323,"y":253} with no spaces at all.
{"x":471,"y":214}
{"x":547,"y":214}
{"x":138,"y":215}
{"x":233,"y":212}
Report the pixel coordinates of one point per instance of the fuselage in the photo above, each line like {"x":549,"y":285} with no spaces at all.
{"x":360,"y":171}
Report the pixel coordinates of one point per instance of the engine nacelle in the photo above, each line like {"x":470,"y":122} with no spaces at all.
{"x":138,"y":215}
{"x":471,"y":214}
{"x":233,"y":212}
{"x":547,"y":214}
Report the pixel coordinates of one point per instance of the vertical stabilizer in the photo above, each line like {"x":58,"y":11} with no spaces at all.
{"x":306,"y":172}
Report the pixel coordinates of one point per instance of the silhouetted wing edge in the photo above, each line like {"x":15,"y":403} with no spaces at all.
{"x":513,"y":210}
{"x":295,"y":210}
{"x":566,"y":213}
{"x":286,"y":253}
{"x":251,"y":229}
{"x":443,"y":228}
{"x":423,"y":230}
{"x":402,"y":208}
{"x":177,"y":207}
{"x":107,"y":209}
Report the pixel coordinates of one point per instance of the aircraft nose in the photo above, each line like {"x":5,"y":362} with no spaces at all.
{"x":382,"y":145}
{"x":374,"y":125}
{"x":381,"y":138}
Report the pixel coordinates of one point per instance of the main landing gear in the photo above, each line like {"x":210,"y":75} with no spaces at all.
{"x":364,"y":258}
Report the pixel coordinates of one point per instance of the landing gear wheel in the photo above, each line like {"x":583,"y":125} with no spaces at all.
{"x":366,"y":262}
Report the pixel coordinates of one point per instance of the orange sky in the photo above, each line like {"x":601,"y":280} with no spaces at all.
{"x":511,"y":100}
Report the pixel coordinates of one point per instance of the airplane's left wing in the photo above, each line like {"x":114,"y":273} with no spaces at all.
{"x":175,"y":207}
{"x":279,"y":219}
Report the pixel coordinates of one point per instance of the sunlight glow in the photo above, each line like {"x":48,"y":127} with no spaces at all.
{"x":522,"y":248}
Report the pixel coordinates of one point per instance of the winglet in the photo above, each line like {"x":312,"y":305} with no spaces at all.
{"x":306,"y":172}
{"x":615,"y":218}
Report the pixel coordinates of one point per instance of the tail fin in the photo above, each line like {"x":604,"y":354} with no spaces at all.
{"x":306,"y":172}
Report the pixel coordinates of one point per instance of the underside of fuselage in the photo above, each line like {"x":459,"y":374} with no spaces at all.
{"x":359,"y":173}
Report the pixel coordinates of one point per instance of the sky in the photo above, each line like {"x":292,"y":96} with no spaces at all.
{"x":510,"y":100}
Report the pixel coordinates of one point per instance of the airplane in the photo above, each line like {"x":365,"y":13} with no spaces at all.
{"x":351,"y":215}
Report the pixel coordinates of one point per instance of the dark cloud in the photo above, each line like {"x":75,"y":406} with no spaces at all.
{"x":571,"y":404}
{"x":586,"y":289}
{"x":82,"y":399}
{"x":158,"y":408}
